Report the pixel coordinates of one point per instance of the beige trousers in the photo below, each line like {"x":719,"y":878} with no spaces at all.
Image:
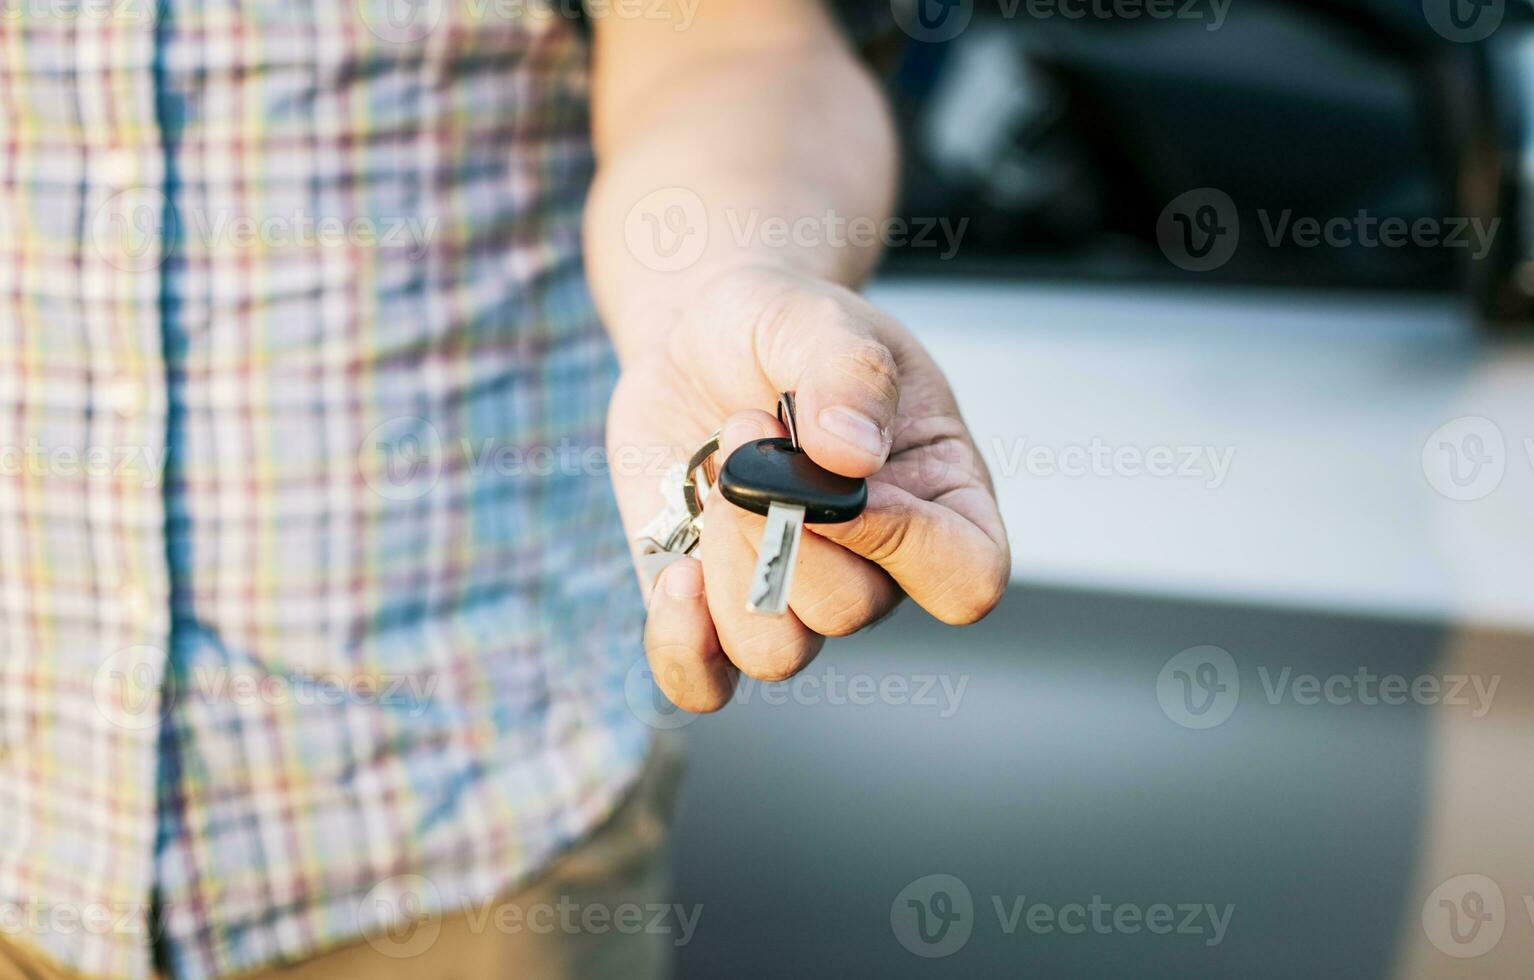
{"x":592,"y":914}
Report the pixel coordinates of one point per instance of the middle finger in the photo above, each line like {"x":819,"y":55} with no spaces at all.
{"x":834,"y":591}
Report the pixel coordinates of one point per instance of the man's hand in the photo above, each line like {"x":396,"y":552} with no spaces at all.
{"x":871,"y":403}
{"x":756,"y":109}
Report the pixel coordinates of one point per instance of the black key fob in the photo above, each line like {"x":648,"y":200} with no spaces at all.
{"x":768,"y":471}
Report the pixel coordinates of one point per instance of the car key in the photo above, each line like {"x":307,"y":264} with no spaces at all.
{"x":776,"y":478}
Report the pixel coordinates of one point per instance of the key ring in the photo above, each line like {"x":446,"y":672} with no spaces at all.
{"x":678,"y":528}
{"x":702,"y":459}
{"x":788,"y":418}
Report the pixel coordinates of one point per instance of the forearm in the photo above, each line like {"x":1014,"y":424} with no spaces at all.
{"x":784,"y":141}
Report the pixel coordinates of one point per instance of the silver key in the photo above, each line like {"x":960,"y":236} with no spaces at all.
{"x":775,"y":564}
{"x":775,"y":478}
{"x":675,"y":532}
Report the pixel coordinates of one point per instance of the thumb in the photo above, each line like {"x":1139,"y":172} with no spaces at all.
{"x":846,"y":394}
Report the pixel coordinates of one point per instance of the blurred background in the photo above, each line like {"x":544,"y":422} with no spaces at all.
{"x":1236,"y":298}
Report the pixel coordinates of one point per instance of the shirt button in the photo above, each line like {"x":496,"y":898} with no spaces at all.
{"x":125,"y":396}
{"x":120,"y":167}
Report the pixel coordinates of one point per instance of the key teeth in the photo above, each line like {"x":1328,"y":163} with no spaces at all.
{"x":773,"y":575}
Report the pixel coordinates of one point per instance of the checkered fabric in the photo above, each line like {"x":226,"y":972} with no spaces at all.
{"x":313,"y":603}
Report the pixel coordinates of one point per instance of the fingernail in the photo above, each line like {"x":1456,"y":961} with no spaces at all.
{"x":854,"y":428}
{"x":684,"y":580}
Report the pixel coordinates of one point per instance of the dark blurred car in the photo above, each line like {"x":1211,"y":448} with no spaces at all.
{"x":1062,"y":130}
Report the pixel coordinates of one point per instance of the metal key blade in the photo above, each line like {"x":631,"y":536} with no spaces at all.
{"x":775,"y":563}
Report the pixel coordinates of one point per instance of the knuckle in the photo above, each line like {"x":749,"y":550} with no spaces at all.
{"x":825,"y":310}
{"x":981,"y":594}
{"x":842,"y":612}
{"x":872,"y":364}
{"x":769,"y":656}
{"x":666,"y":668}
{"x":687,"y":689}
{"x":778,"y":316}
{"x":883,"y":541}
{"x":701,"y":702}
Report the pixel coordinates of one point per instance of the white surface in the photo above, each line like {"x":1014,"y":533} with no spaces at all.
{"x":1324,"y":405}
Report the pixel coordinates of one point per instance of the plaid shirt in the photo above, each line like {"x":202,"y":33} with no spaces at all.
{"x":300,"y":592}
